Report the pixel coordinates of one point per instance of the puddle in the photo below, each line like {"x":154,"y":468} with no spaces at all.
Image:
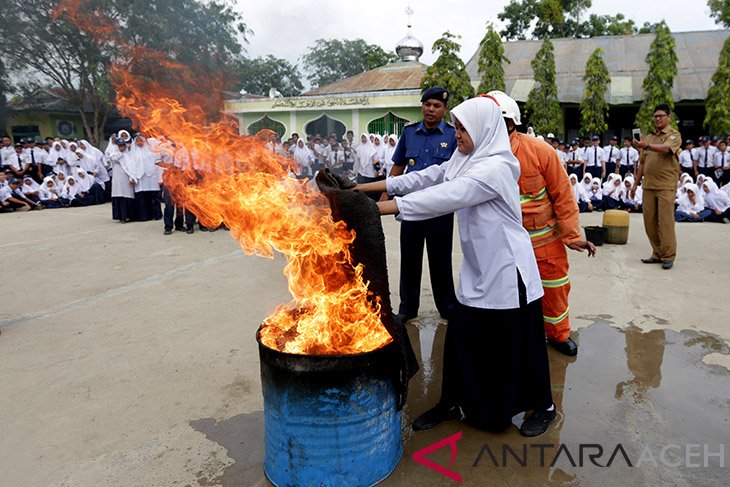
{"x":645,"y":401}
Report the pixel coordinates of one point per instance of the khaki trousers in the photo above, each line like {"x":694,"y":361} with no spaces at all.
{"x":658,"y":207}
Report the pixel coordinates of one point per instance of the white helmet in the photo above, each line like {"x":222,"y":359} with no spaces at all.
{"x":507,"y":105}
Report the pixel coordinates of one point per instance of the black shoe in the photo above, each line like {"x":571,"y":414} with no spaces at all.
{"x":167,"y":232}
{"x":538,"y":422}
{"x":190,"y":230}
{"x":651,"y":260}
{"x":435,"y":416}
{"x":568,"y":347}
{"x":203,"y":229}
{"x":667,"y":264}
{"x":179,"y":229}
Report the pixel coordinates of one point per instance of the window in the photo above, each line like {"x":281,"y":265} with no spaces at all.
{"x":390,"y":124}
{"x":266,"y":124}
{"x":325,"y":125}
{"x":19,"y":132}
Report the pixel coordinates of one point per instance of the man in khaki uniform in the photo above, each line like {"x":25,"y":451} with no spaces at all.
{"x":659,"y":165}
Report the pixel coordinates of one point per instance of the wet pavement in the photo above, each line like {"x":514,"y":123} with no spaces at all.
{"x":639,"y":406}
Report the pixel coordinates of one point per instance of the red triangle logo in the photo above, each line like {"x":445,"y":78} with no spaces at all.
{"x":450,"y":441}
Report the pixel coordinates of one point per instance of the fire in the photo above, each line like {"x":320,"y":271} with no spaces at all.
{"x":235,"y":180}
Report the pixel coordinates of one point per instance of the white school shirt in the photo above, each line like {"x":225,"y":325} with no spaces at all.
{"x":721,"y":159}
{"x":704,"y":155}
{"x":575,"y":155}
{"x":594,"y":156}
{"x":35,"y":154}
{"x":494,"y":242}
{"x":633,"y":156}
{"x":612,"y":153}
{"x":18,"y":161}
{"x":685,"y":159}
{"x":6,"y":153}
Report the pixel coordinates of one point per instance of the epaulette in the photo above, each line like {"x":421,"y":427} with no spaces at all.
{"x":411,"y":124}
{"x":449,"y":124}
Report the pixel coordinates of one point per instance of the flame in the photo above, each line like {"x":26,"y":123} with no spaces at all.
{"x":237,"y":181}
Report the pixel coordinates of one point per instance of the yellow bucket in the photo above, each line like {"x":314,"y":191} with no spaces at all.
{"x":617,"y":223}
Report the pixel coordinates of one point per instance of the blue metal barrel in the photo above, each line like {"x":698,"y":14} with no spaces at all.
{"x":330,"y":420}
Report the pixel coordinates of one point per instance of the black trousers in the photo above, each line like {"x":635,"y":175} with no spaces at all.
{"x":171,"y":210}
{"x":437,"y":234}
{"x":624,"y":170}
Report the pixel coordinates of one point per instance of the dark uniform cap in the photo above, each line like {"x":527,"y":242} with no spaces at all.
{"x":435,"y":93}
{"x":614,"y":137}
{"x":689,"y":141}
{"x":19,"y":145}
{"x":119,"y":142}
{"x":595,"y":137}
{"x":575,"y":142}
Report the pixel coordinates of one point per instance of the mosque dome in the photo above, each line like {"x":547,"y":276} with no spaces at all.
{"x":409,"y":48}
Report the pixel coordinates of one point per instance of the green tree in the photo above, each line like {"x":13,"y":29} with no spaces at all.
{"x":449,"y":71}
{"x":720,"y":11}
{"x":491,"y":57}
{"x":73,"y":44}
{"x":537,"y":19}
{"x":259,"y":75}
{"x":718,"y":98}
{"x":593,"y":107}
{"x":3,"y":100}
{"x":543,"y":107}
{"x":657,"y":86}
{"x":330,"y":60}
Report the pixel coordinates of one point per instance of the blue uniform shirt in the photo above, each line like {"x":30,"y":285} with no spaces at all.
{"x":419,"y":147}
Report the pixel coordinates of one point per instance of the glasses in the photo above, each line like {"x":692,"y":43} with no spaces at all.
{"x":660,"y":116}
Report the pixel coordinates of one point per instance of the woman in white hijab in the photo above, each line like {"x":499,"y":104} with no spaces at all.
{"x":691,"y":206}
{"x":587,"y":182}
{"x":584,"y":203}
{"x":147,"y":189}
{"x":612,"y":191}
{"x":88,"y":185}
{"x":500,"y":289}
{"x":388,"y":156}
{"x":595,"y":194}
{"x":49,"y":193}
{"x":717,"y":201}
{"x":628,"y":203}
{"x":364,"y":169}
{"x":122,"y":183}
{"x":305,"y":159}
{"x":30,"y":188}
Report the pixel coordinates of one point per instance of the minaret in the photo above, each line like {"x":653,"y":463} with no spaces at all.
{"x":409,"y":48}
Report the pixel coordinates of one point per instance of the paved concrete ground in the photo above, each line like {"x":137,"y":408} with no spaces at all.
{"x":129,"y":358}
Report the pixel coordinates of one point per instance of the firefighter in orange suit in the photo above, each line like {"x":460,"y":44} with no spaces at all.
{"x":550,"y":215}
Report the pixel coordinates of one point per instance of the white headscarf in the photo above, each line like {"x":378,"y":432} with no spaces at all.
{"x":365,"y":150}
{"x":29,"y":188}
{"x":45,"y":193}
{"x":598,"y":194}
{"x":83,"y":180}
{"x":578,"y":192}
{"x":70,"y":190}
{"x":492,"y":152}
{"x":587,"y":182}
{"x":715,"y":199}
{"x":144,"y":159}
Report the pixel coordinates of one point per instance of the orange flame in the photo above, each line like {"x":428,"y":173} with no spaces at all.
{"x":235,"y":180}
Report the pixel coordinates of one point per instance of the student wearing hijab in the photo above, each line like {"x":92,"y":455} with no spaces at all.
{"x":500,"y":289}
{"x":122,"y":183}
{"x":595,"y":194}
{"x":146,"y":187}
{"x":717,"y":201}
{"x":93,"y":192}
{"x":49,"y":194}
{"x":9,"y":199}
{"x":691,"y":206}
{"x":365,"y":170}
{"x":305,"y":159}
{"x":612,"y":191}
{"x":584,"y":203}
{"x":632,"y":204}
{"x":30,"y":188}
{"x":388,"y":156}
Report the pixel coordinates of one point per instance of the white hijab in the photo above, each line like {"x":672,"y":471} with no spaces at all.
{"x":587,"y":182}
{"x":144,"y":159}
{"x":716,"y":199}
{"x":83,"y":180}
{"x":70,"y":190}
{"x":366,"y":149}
{"x":578,"y":191}
{"x":29,"y":188}
{"x":491,"y":161}
{"x":45,"y":193}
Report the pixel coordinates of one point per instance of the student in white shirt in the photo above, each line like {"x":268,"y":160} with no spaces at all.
{"x":629,"y":203}
{"x":721,"y":163}
{"x":500,"y":288}
{"x":595,"y":159}
{"x":704,"y":157}
{"x":575,"y":162}
{"x":717,"y":201}
{"x":628,"y":156}
{"x":691,"y":206}
{"x":612,"y":153}
{"x":686,"y":161}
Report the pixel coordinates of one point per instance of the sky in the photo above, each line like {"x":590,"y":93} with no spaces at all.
{"x":286,"y":29}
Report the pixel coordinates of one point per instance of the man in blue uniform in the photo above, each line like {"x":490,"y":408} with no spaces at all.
{"x":422,"y":144}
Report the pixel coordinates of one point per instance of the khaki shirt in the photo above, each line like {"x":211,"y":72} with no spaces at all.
{"x":661,"y":170}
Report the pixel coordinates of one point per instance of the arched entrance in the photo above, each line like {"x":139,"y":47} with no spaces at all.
{"x":325,"y":125}
{"x":266,"y":123}
{"x":389,"y":124}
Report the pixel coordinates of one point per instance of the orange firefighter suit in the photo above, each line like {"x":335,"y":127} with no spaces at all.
{"x":550,"y":215}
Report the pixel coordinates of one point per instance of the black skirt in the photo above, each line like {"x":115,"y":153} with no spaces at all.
{"x":496,"y":363}
{"x":122,"y":209}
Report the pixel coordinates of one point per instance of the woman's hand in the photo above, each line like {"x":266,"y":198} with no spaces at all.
{"x":388,"y":207}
